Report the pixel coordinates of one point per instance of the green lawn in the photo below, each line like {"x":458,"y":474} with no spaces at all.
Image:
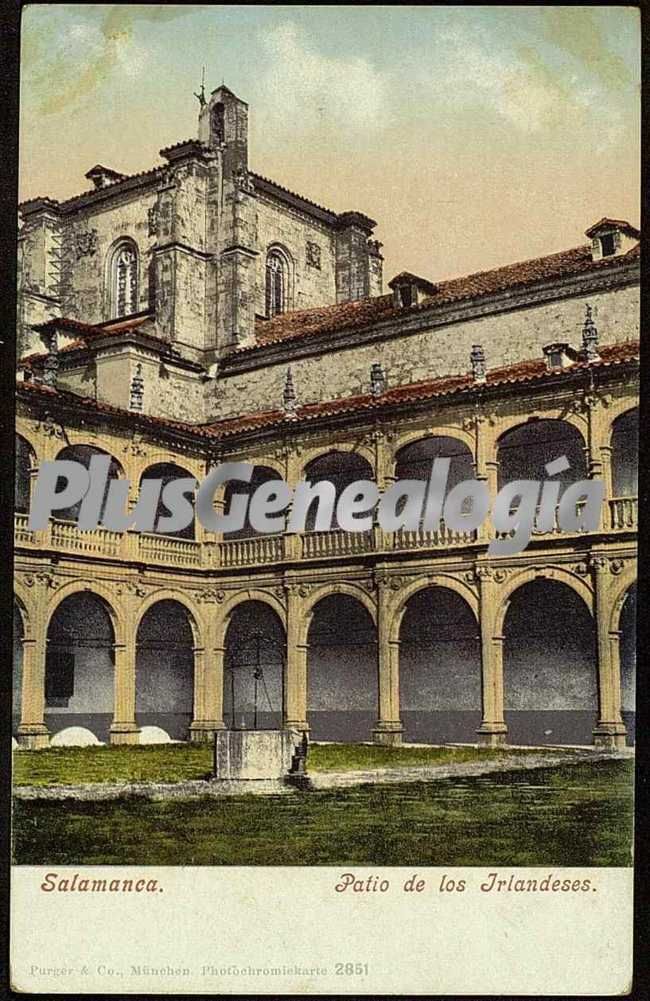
{"x":178,"y":762}
{"x":577,"y":815}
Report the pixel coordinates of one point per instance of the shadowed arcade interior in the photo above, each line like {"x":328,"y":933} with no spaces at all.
{"x":440,"y":668}
{"x":341,"y":670}
{"x":79,"y":666}
{"x":254,"y":668}
{"x":164,"y":675}
{"x":550,"y":666}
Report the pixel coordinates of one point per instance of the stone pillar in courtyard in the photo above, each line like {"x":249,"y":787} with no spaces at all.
{"x":295,"y":681}
{"x":389,"y":727}
{"x":493,"y":730}
{"x":610,"y":731}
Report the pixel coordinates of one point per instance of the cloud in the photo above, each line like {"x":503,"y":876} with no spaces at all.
{"x":61,"y":65}
{"x":304,"y":90}
{"x":521,"y":87}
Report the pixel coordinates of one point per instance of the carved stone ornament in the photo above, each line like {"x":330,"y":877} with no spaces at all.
{"x":393,"y":581}
{"x":48,"y":427}
{"x":41,"y":578}
{"x":132,"y":587}
{"x":212,"y":595}
{"x":85,"y":243}
{"x":152,"y":220}
{"x":313,"y":255}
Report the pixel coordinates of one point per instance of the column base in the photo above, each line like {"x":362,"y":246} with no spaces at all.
{"x":203,"y":731}
{"x":492,"y":734}
{"x":124,"y":733}
{"x":610,"y":735}
{"x":33,"y":736}
{"x":296,"y":724}
{"x":388,"y":733}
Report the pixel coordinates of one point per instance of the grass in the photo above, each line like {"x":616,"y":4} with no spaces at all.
{"x":574,"y":816}
{"x":180,"y":762}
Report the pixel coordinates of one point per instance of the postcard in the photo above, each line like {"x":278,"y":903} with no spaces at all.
{"x":326,"y":500}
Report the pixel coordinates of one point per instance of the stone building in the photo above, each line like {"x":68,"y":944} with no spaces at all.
{"x":198,"y":313}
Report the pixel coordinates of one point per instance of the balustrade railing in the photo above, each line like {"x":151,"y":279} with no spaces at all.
{"x":621,"y":515}
{"x":248,"y":552}
{"x":169,"y":550}
{"x":441,"y":539}
{"x":323,"y":545}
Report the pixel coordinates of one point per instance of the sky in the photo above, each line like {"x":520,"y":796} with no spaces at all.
{"x":475,"y":136}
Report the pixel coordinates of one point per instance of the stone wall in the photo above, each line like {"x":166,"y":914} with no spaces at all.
{"x":311,"y":284}
{"x":507,"y":337}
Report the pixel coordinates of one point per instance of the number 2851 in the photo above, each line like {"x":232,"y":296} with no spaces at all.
{"x":351,"y":969}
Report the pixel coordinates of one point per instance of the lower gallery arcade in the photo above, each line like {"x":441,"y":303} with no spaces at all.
{"x":518,"y":655}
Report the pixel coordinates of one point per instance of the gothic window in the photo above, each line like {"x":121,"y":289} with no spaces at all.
{"x":276,"y":284}
{"x":124,"y":280}
{"x":218,"y":123}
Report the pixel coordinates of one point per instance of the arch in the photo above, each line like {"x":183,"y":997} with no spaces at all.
{"x":530,"y":574}
{"x":340,"y":467}
{"x":439,"y":667}
{"x":342,"y":675}
{"x":123,"y":278}
{"x":18,"y":640}
{"x":27,"y":433}
{"x":550,"y":665}
{"x":165,"y":641}
{"x":627,"y":580}
{"x":80,"y":664}
{"x":626,"y":642}
{"x":23,"y":600}
{"x":83,"y":452}
{"x":168,"y":594}
{"x":398,"y":604}
{"x":253,"y":594}
{"x":443,"y":431}
{"x":524,"y":449}
{"x":624,"y":443}
{"x":254,"y":666}
{"x":25,"y":462}
{"x":573,"y":419}
{"x":168,"y":471}
{"x":317,"y":452}
{"x":261,"y":474}
{"x":326,"y":591}
{"x":278,"y":281}
{"x":99,"y":590}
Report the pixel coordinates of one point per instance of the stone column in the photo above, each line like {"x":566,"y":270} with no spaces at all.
{"x":208,"y":694}
{"x":32,"y":732}
{"x":493,"y":730}
{"x":295,"y":679}
{"x":610,"y":730}
{"x":124,"y":729}
{"x":389,"y":727}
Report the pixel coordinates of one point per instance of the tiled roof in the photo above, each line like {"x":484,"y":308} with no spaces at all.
{"x":90,"y":332}
{"x":364,"y":312}
{"x":617,"y":223}
{"x":530,"y":370}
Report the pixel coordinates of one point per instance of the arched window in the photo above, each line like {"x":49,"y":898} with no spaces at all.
{"x":124,"y":280}
{"x":276,"y":283}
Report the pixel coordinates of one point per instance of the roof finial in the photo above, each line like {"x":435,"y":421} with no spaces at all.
{"x":477,"y":361}
{"x":590,"y":337}
{"x":377,"y":379}
{"x":201,"y":95}
{"x":289,"y":398}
